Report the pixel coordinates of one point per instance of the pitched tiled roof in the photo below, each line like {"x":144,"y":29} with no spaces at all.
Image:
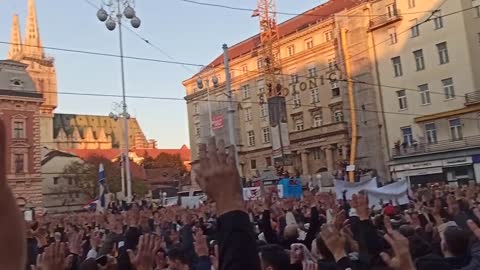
{"x":111,"y":154}
{"x":55,"y":153}
{"x":184,"y":152}
{"x":290,"y":26}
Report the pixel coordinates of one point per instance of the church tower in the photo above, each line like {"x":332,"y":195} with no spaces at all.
{"x":40,"y":67}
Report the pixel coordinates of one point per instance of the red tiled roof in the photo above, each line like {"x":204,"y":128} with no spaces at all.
{"x":290,"y":26}
{"x":184,"y":152}
{"x":106,"y":153}
{"x":111,"y":154}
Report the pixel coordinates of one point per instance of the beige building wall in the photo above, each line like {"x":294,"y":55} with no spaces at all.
{"x":459,"y":68}
{"x":318,"y":112}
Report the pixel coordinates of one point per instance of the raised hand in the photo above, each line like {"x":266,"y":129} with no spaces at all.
{"x":201,"y":245}
{"x":334,"y":240}
{"x":144,"y":258}
{"x":12,"y":227}
{"x":402,"y":259}
{"x":218,"y":176}
{"x":53,"y":258}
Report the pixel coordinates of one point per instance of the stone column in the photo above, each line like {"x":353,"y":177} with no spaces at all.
{"x":329,"y":156}
{"x":304,"y":157}
{"x":345,"y":152}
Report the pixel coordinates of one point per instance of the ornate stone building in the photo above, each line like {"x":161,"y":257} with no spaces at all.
{"x":65,"y":131}
{"x":20,"y":111}
{"x":313,"y":47}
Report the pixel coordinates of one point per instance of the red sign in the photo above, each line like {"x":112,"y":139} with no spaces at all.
{"x":217,"y":122}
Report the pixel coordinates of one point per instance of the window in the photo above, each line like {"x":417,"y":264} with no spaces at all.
{"x":315,"y":95}
{"x":317,"y":120}
{"x":298,"y":124}
{"x":335,"y":88}
{"x":328,"y":36}
{"x":266,"y":134}
{"x":391,"y":11}
{"x":195,"y":108}
{"x":77,"y":195}
{"x":296,"y":100}
{"x":317,"y":153}
{"x":248,"y":114}
{"x":18,"y":129}
{"x":251,"y":138}
{"x":338,"y":116}
{"x":244,"y":69}
{"x":443,"y":53}
{"x":455,"y":129}
{"x":448,"y":88}
{"x":264,"y":109}
{"x":309,"y":43}
{"x":419,"y":59}
{"x":246,"y":91}
{"x":55,"y":180}
{"x":476,"y":7}
{"x":291,"y":50}
{"x":478,"y":37}
{"x":431,"y":133}
{"x":424,"y":94}
{"x":392,"y":33}
{"x":268,"y":161}
{"x":411,"y":3}
{"x":312,"y":72}
{"x":437,"y":19}
{"x":407,"y":135}
{"x":197,"y":130}
{"x":260,"y":63}
{"x":293,"y":78}
{"x":415,"y":30}
{"x":19,"y":163}
{"x":397,"y":66}
{"x":70,"y":181}
{"x":332,"y":64}
{"x":402,"y":100}
{"x":253,"y":164}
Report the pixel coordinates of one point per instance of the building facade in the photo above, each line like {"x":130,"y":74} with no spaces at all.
{"x":319,"y":111}
{"x":60,"y":194}
{"x":20,"y":112}
{"x":429,"y":81}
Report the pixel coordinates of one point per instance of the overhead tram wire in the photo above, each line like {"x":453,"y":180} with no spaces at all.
{"x":220,"y":101}
{"x":287,"y":13}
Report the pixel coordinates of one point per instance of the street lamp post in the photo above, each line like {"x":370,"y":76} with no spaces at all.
{"x":111,"y":19}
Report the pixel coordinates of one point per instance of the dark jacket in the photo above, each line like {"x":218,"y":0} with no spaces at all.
{"x":437,"y":262}
{"x":236,"y":242}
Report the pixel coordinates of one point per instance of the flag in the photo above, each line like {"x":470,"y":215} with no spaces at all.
{"x":102,"y":186}
{"x":255,"y":13}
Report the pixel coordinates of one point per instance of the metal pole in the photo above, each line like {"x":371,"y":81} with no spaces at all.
{"x":122,"y":167}
{"x":231,"y":110}
{"x":125,"y":113}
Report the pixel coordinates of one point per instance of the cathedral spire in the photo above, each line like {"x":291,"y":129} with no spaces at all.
{"x":33,"y":46}
{"x":15,"y":50}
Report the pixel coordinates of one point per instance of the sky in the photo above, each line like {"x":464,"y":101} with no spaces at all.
{"x":181,"y":31}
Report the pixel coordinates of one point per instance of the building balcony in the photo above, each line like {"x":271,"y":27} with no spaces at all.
{"x":472,"y":98}
{"x":319,"y":132}
{"x":431,"y":148}
{"x":384,"y":20}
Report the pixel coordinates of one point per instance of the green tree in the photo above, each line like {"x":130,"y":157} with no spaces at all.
{"x":165,"y":160}
{"x":85,"y":176}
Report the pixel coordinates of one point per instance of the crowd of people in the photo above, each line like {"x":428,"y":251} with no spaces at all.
{"x":437,"y":230}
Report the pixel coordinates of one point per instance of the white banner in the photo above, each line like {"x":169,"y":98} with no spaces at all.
{"x":353,"y":188}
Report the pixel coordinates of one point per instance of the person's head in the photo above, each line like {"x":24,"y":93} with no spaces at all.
{"x":274,"y":257}
{"x":291,"y":232}
{"x":455,"y":242}
{"x":177,"y":259}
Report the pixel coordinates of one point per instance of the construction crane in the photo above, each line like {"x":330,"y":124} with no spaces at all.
{"x":269,"y":57}
{"x":269,"y":51}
